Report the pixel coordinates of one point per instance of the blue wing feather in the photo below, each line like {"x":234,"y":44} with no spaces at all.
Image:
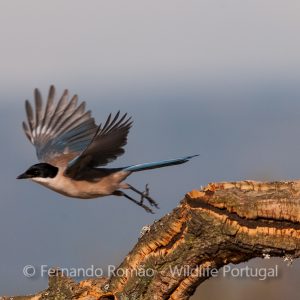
{"x":61,"y":130}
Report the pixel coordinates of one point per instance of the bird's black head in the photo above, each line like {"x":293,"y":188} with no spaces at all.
{"x":42,"y":170}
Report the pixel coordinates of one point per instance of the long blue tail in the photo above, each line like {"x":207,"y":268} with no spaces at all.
{"x":158,"y":164}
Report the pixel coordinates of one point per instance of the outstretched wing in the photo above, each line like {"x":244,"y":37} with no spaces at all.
{"x":105,"y":147}
{"x":59,"y":131}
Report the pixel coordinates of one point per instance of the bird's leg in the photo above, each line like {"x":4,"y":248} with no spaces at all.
{"x":144,"y":195}
{"x":121,"y":193}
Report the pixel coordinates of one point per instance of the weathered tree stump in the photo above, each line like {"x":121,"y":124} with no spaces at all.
{"x":229,"y":222}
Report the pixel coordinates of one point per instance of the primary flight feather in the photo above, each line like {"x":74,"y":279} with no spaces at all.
{"x":73,"y":150}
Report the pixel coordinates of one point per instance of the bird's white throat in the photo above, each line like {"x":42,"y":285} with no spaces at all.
{"x":42,"y":179}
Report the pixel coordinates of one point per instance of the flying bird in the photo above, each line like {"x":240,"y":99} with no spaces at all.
{"x":73,"y":151}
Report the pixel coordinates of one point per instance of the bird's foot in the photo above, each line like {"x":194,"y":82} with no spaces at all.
{"x":139,"y":203}
{"x":145,"y":195}
{"x":145,"y":207}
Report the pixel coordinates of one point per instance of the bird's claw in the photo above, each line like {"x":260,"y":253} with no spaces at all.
{"x":147,"y":209}
{"x":145,"y":195}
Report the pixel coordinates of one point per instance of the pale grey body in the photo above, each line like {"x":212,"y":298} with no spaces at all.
{"x":84,"y":189}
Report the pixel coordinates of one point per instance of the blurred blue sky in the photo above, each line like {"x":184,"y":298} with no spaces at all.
{"x":218,"y":78}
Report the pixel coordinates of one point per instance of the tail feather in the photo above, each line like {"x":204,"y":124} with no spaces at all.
{"x":159,"y":164}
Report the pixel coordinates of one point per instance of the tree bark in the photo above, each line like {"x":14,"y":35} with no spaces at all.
{"x":222,"y":223}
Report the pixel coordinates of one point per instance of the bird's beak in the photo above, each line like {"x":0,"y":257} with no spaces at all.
{"x":23,"y":176}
